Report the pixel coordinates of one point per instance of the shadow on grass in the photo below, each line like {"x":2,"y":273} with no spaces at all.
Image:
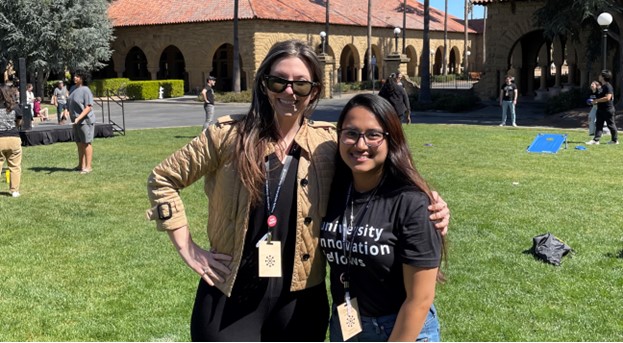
{"x":617,"y":255}
{"x":188,"y":137}
{"x":51,"y":170}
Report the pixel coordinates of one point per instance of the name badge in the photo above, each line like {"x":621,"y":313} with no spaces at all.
{"x":269,"y":259}
{"x":350,"y":322}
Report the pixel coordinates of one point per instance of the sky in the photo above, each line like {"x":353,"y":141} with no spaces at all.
{"x":457,"y":8}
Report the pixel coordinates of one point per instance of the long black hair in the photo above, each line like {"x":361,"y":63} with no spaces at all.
{"x":399,"y":164}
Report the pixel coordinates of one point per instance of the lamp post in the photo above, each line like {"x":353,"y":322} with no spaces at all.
{"x":604,"y":20}
{"x":396,"y":33}
{"x":431,"y":62}
{"x":323,"y":36}
{"x":467,"y":53}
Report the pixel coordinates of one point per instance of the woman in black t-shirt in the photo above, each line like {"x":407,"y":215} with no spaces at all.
{"x":383,"y":249}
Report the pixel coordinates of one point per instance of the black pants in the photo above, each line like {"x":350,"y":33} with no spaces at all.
{"x":608,"y":117}
{"x":252,"y":314}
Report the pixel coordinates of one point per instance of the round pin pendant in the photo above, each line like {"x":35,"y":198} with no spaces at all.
{"x":272,"y":220}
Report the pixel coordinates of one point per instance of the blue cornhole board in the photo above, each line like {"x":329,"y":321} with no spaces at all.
{"x":548,"y":143}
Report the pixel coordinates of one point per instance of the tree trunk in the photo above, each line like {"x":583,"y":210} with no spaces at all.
{"x":236,"y":61}
{"x":445,"y":41}
{"x":425,"y":96}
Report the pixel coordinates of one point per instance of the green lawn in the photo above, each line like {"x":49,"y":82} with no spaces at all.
{"x":80,"y":262}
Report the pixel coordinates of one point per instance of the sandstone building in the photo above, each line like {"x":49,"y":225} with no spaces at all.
{"x":191,"y":39}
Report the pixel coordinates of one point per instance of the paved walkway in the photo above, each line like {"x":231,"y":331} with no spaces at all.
{"x":186,"y":111}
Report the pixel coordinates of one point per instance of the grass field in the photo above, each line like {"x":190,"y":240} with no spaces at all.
{"x":80,"y":262}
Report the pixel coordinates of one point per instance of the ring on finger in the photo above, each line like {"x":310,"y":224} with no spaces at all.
{"x":205,"y":272}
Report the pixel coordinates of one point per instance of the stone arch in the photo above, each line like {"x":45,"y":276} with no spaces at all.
{"x":108,"y":71}
{"x":376,"y":52}
{"x":413,"y":61}
{"x":172,"y":65}
{"x":525,"y":55}
{"x":454,"y":60}
{"x":222,"y":68}
{"x":349,"y":60}
{"x":136,"y":65}
{"x":438,"y":61}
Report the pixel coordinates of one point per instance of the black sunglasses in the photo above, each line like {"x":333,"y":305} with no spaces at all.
{"x":277,"y":85}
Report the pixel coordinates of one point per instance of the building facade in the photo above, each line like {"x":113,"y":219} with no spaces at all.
{"x":542,"y":68}
{"x":151,"y":43}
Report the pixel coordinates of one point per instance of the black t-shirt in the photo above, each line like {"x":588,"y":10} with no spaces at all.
{"x":606,"y":88}
{"x":508,"y":91}
{"x":248,"y":279}
{"x":395,"y":230}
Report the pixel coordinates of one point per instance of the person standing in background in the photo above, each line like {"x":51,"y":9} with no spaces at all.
{"x":207,"y":94}
{"x":397,"y":96}
{"x":605,"y":109}
{"x":10,"y":141}
{"x":30,"y":99}
{"x":81,"y":114}
{"x":508,"y":99}
{"x":59,"y":99}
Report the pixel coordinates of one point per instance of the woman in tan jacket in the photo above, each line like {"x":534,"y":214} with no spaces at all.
{"x":267,"y":177}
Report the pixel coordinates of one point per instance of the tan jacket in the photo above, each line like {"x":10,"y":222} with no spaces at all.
{"x":210,"y":156}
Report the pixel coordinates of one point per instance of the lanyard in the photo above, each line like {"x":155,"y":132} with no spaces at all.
{"x":272,"y":219}
{"x":348,"y":250}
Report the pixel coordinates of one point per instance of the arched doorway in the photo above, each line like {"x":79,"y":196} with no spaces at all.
{"x":223,"y":68}
{"x":412,"y":64}
{"x":172,"y":66}
{"x":453,"y":61}
{"x":136,"y":65}
{"x":349,"y":59}
{"x":365,"y":73}
{"x":107,"y":72}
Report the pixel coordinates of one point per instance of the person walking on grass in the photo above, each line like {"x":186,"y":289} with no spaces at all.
{"x":605,"y":110}
{"x":81,"y":114}
{"x":508,"y":100}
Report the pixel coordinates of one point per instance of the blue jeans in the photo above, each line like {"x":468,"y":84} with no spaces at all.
{"x":378,"y":329}
{"x":508,"y":106}
{"x":59,"y":111}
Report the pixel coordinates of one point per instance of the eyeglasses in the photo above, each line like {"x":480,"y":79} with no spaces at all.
{"x":371,"y":138}
{"x":278,"y":85}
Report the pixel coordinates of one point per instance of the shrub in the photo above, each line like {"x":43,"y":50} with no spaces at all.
{"x":573,"y":98}
{"x":143,"y":90}
{"x":101,"y":87}
{"x":243,"y":96}
{"x":172,"y":88}
{"x":149,"y":90}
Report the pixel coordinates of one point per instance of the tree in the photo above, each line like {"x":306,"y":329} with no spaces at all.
{"x":570,"y":18}
{"x":55,"y":35}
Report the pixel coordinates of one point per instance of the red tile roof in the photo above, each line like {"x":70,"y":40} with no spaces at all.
{"x":484,"y":2}
{"x":385,"y":13}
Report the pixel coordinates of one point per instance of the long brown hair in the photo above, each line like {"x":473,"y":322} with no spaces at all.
{"x":399,"y":163}
{"x":259,"y":128}
{"x":6,"y":98}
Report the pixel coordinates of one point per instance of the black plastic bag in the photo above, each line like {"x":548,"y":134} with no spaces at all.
{"x":549,"y":248}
